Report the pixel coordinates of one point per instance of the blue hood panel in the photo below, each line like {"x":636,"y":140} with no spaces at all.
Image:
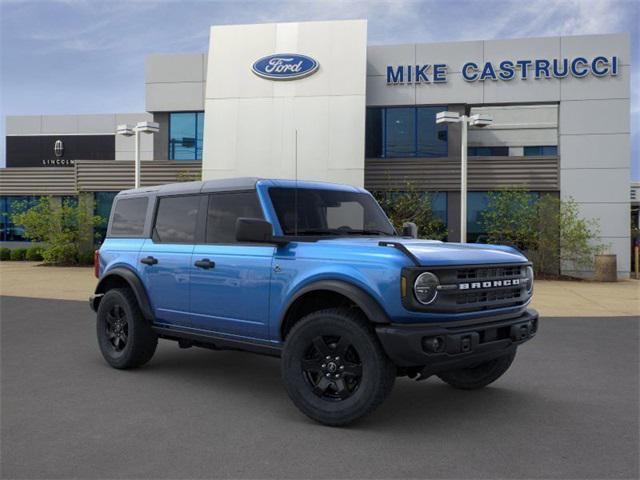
{"x":436,"y":253}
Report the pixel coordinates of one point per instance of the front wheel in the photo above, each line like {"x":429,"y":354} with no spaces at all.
{"x":480,"y":375}
{"x":334,"y":368}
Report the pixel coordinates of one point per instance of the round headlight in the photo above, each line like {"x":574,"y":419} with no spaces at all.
{"x":529,"y":280}
{"x":426,"y":288}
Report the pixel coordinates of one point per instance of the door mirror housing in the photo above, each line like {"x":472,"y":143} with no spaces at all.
{"x":409,"y":229}
{"x":256,"y":230}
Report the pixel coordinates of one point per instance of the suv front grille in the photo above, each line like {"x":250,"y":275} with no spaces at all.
{"x":488,"y":297}
{"x":472,"y":288}
{"x":484,"y":273}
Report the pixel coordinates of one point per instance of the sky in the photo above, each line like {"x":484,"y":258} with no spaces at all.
{"x":87,"y":56}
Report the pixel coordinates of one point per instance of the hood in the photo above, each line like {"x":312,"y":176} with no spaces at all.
{"x":436,"y":253}
{"x":431,"y":253}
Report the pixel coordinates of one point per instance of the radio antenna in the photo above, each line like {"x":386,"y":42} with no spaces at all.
{"x":295,"y":192}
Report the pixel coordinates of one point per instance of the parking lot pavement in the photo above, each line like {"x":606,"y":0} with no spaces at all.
{"x":568,"y":408}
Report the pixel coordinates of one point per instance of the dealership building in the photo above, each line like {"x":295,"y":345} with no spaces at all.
{"x":312,"y":100}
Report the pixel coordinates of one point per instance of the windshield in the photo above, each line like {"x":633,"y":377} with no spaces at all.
{"x":328,"y":212}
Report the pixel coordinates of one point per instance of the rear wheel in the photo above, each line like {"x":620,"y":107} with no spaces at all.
{"x":125,"y":337}
{"x":334,"y":368}
{"x":480,"y":375}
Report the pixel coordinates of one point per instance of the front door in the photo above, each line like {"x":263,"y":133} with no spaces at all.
{"x":165,"y":259}
{"x":230,"y":282}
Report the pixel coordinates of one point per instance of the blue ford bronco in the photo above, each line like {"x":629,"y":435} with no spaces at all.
{"x":313,"y":273}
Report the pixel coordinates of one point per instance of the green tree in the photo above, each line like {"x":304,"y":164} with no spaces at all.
{"x":66,"y":229}
{"x":579,"y":237}
{"x":411,"y":205}
{"x":550,"y":230}
{"x":187,"y":176}
{"x":510,"y":217}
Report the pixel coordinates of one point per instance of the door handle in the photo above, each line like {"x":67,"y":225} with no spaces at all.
{"x":205,"y":263}
{"x":149,"y":260}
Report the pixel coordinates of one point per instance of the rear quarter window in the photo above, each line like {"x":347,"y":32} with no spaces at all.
{"x":129,"y":216}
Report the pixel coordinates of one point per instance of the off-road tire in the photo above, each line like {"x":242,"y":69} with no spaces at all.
{"x":141,"y":341}
{"x":336,"y":327}
{"x":478,"y":376}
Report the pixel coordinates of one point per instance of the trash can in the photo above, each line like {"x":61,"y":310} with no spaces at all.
{"x":606,"y":268}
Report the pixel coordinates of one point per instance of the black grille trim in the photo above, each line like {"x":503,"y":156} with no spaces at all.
{"x":471,"y":288}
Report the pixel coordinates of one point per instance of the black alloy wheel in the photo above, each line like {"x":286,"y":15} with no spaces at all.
{"x":117,"y":327}
{"x":332,"y":367}
{"x":125,"y":337}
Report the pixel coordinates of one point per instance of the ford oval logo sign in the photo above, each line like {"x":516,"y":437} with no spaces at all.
{"x":285,"y":66}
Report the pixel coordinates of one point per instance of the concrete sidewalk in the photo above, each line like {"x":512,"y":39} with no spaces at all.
{"x":551,"y":298}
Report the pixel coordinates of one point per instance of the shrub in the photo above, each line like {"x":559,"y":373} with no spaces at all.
{"x":549,"y":229}
{"x":66,"y":228}
{"x":411,"y":205}
{"x":510,"y":218}
{"x":86,"y":258}
{"x":5,"y":253}
{"x":18,"y":254}
{"x":34,"y":254}
{"x":186,"y":176}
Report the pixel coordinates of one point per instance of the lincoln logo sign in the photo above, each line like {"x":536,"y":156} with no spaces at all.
{"x":58,"y":148}
{"x":491,"y":284}
{"x":285,"y":66}
{"x":505,"y":70}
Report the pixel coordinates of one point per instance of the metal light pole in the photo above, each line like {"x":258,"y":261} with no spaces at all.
{"x":477,"y":120}
{"x":128,"y":131}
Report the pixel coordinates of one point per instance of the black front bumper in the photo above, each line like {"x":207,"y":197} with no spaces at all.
{"x":452,"y":345}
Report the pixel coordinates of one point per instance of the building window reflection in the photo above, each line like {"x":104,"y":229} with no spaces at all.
{"x":541,"y":151}
{"x":185,"y":135}
{"x":10,"y":232}
{"x":397,"y":132}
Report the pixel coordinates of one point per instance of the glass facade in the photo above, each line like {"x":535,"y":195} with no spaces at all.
{"x":185,"y":135}
{"x":103,"y":201}
{"x":541,"y":151}
{"x":488,"y":151}
{"x":10,"y":232}
{"x":477,"y":202}
{"x":393,"y":132}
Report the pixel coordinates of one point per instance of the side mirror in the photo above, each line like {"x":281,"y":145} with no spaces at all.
{"x":409,"y":229}
{"x":255,"y":230}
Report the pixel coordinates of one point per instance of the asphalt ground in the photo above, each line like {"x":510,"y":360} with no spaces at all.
{"x":567,"y":408}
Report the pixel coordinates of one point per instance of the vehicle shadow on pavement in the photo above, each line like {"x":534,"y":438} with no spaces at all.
{"x":409,"y":405}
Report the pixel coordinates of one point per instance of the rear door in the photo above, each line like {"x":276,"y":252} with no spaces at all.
{"x":230,"y":281}
{"x":165,"y":258}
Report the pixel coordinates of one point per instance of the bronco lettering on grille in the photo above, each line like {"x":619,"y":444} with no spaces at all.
{"x":489,"y":284}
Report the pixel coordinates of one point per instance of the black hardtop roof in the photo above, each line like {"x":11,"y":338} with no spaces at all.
{"x":225,"y":184}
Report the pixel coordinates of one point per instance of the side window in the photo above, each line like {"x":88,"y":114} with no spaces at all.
{"x":176,"y":219}
{"x":224,"y":210}
{"x":128,"y":217}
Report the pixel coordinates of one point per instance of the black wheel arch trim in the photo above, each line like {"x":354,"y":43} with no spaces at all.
{"x":369,"y":306}
{"x":134,"y":283}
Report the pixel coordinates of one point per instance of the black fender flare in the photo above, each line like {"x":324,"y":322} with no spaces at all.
{"x":134,"y":283}
{"x":369,"y":306}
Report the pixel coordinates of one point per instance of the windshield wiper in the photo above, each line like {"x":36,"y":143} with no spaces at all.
{"x":344,"y":231}
{"x":319,"y":231}
{"x":367,"y":232}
